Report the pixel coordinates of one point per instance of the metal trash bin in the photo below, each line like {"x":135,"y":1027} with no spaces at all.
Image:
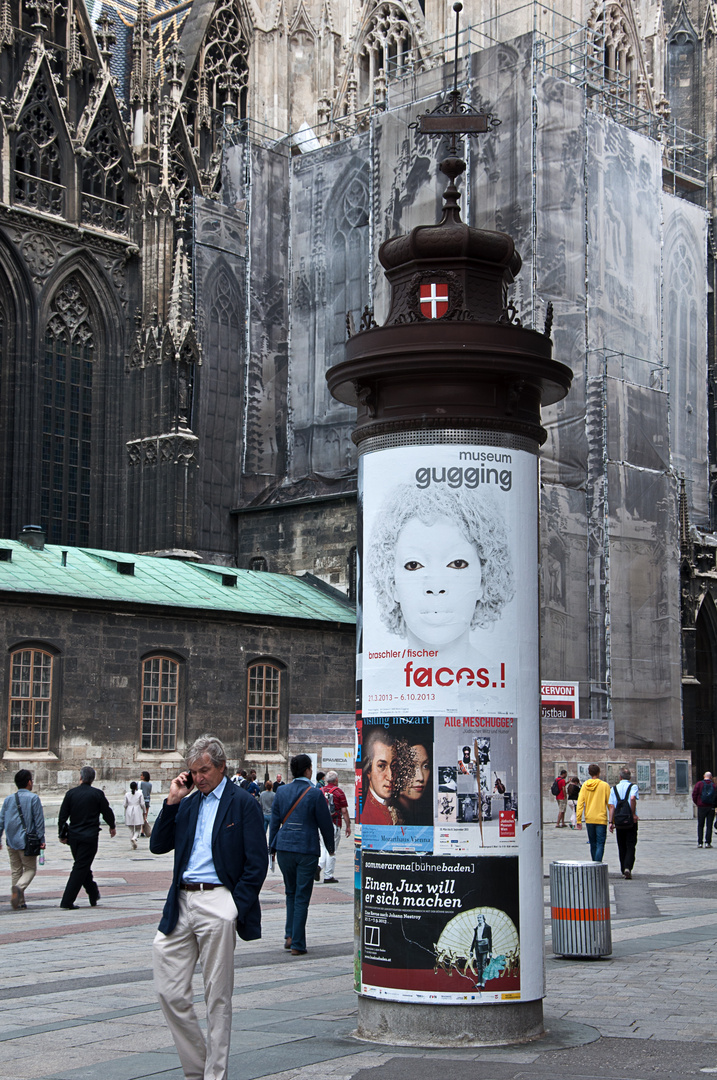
{"x":580,"y":909}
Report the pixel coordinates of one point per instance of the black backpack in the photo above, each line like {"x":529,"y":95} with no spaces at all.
{"x":555,"y":787}
{"x":622,"y":814}
{"x":707,"y":798}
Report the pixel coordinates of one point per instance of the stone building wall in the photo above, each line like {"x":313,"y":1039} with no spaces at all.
{"x":97,"y":692}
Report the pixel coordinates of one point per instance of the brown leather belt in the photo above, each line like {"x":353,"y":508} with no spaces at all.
{"x":195,"y":886}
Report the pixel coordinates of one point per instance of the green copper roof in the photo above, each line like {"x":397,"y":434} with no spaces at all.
{"x":92,"y":574}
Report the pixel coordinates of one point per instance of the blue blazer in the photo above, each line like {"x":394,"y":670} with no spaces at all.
{"x":238,"y":850}
{"x":301,"y":832}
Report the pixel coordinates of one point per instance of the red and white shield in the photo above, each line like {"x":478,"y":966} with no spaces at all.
{"x":434,"y":300}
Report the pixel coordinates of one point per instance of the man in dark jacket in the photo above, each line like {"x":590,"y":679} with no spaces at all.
{"x":298,"y":813}
{"x":220,"y":863}
{"x":82,"y":806}
{"x":704,"y":796}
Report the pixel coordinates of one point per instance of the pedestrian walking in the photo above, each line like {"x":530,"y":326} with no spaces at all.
{"x":339,"y":809}
{"x":622,"y":811}
{"x":135,"y":814}
{"x":558,"y":790}
{"x":146,"y":789}
{"x":298,"y":814}
{"x":219,"y":867}
{"x":21,"y":814}
{"x":78,"y":824}
{"x":266,"y":800}
{"x":572,"y":791}
{"x":593,"y":800}
{"x":704,"y":796}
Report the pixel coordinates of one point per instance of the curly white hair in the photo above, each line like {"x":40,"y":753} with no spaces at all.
{"x":479,"y":519}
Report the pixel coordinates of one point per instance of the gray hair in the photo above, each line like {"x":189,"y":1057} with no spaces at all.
{"x":87,"y":774}
{"x":331,"y":777}
{"x":625,"y":774}
{"x":207,"y":744}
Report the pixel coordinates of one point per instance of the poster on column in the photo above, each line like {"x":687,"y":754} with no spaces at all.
{"x":444,"y":565}
{"x":397,"y":785}
{"x":440,"y":930}
{"x":440,"y":784}
{"x":476,"y":765}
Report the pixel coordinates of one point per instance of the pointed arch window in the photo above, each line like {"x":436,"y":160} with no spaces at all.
{"x":223,"y":338}
{"x":38,"y":160}
{"x":349,"y":245}
{"x":388,"y":52}
{"x":613,"y":49}
{"x":67,"y":377}
{"x":218,"y":83}
{"x":103,"y":177}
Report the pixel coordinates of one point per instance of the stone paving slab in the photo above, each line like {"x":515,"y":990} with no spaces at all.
{"x":77,"y":1000}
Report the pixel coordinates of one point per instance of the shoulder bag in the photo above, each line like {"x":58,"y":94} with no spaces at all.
{"x":33,"y":843}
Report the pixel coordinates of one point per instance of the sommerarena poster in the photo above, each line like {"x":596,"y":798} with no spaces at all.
{"x":440,"y":930}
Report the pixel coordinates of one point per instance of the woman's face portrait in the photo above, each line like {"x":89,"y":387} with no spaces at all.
{"x":439,"y":580}
{"x":416,"y":786}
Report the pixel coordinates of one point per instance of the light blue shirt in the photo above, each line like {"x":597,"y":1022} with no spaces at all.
{"x":11,"y":824}
{"x":622,"y":787}
{"x":201,"y":863}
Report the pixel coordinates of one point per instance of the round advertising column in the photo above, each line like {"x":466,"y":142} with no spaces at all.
{"x":451,"y":891}
{"x":449,"y":906}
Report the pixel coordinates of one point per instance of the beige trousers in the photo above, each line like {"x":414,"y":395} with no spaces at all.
{"x":22,"y":867}
{"x":205,"y":931}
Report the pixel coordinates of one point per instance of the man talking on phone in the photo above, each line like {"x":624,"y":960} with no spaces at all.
{"x":217,"y":832}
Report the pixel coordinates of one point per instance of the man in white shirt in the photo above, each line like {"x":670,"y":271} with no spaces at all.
{"x":220,"y":863}
{"x":626,"y":834}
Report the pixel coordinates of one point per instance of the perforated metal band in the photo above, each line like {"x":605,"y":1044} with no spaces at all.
{"x":449,"y":436}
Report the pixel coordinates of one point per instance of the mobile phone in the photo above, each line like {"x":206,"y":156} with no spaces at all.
{"x":189,"y":780}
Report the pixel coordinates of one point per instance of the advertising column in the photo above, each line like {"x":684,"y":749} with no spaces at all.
{"x":448,"y":719}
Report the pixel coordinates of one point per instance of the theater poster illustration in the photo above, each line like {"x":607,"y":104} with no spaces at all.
{"x":440,"y":930}
{"x":444,"y":564}
{"x":440,"y":784}
{"x":397,"y":788}
{"x":476,"y":764}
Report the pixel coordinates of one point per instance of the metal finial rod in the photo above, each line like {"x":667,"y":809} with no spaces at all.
{"x":458,"y":8}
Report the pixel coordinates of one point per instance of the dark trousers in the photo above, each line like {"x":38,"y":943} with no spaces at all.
{"x":298,"y":871}
{"x":705,"y":816}
{"x":626,"y":844}
{"x":597,"y":835}
{"x":83,"y":851}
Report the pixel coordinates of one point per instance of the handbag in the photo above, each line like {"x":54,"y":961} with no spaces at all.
{"x":146,"y":829}
{"x":33,"y":843}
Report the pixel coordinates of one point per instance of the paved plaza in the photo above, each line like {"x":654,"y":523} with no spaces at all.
{"x":77,"y":1001}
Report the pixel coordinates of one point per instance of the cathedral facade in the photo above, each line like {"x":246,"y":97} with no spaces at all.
{"x":192,"y":197}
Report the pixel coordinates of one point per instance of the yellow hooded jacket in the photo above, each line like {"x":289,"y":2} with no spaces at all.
{"x":593,"y":798}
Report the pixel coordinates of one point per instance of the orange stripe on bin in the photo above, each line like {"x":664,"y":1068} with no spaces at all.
{"x":599,"y":914}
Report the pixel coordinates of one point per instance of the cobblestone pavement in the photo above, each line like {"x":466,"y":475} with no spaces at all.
{"x":77,"y":1002}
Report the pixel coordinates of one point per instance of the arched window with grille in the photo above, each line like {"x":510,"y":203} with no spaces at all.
{"x":221,"y":381}
{"x":350,"y":254}
{"x":103,"y":176}
{"x":160,"y":703}
{"x":30,"y":704}
{"x":263,"y":707}
{"x":38,"y":159}
{"x":67,"y":377}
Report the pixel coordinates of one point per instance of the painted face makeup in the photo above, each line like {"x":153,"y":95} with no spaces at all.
{"x":439,"y":581}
